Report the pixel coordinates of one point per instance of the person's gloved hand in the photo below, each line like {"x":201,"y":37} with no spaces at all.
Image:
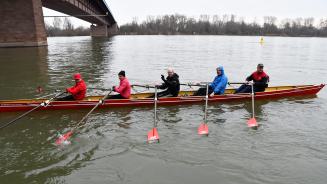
{"x":113,"y":88}
{"x":163,"y":77}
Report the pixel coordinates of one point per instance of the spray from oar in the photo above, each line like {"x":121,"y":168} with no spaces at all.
{"x":153,"y":135}
{"x":203,"y":128}
{"x":63,"y":139}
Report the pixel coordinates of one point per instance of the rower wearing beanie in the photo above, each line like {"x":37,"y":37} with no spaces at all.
{"x":124,"y":88}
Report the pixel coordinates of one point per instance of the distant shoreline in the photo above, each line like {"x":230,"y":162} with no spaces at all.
{"x":225,"y":25}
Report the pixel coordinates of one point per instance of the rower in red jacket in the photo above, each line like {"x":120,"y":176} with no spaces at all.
{"x":78,"y":91}
{"x":124,"y":88}
{"x":259,"y":79}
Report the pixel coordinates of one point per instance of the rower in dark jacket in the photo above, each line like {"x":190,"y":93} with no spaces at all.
{"x":260,"y":81}
{"x":171,"y":84}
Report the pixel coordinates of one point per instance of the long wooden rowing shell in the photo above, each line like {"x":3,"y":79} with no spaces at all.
{"x":141,"y":99}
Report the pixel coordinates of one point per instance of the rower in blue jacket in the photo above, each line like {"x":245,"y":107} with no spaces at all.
{"x":217,"y":87}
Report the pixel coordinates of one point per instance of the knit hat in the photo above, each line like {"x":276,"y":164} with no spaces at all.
{"x":122,"y":73}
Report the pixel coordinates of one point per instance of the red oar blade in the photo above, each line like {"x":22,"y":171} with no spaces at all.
{"x":252,"y":123}
{"x":153,"y":135}
{"x":63,"y":139}
{"x":203,"y":129}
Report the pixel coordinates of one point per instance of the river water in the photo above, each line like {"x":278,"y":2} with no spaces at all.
{"x":289,"y":147}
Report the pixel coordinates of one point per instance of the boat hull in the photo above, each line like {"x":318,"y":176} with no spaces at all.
{"x":138,"y":100}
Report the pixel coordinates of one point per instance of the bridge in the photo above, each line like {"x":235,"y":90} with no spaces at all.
{"x":22,"y":21}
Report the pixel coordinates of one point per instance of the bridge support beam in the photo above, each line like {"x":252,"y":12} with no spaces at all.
{"x":21,"y":23}
{"x":104,"y":30}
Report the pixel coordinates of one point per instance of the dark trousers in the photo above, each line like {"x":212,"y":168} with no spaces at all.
{"x":165,"y":93}
{"x":247,"y":89}
{"x":65,"y":98}
{"x":203,"y":91}
{"x":244,"y":89}
{"x":116,"y":97}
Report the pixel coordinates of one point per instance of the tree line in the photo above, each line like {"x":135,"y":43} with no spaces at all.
{"x":224,"y":25}
{"x":64,"y":27}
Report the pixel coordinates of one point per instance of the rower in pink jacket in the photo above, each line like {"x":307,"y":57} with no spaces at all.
{"x":124,"y":88}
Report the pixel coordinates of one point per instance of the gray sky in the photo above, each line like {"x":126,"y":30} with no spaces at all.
{"x":125,"y":10}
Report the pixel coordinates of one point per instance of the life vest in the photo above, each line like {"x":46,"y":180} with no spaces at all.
{"x":259,"y":76}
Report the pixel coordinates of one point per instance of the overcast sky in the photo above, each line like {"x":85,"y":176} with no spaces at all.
{"x":125,"y":10}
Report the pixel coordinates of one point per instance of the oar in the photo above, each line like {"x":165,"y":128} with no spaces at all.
{"x":43,"y":104}
{"x":42,"y":97}
{"x":194,"y":84}
{"x":229,"y":83}
{"x":103,"y":89}
{"x":143,"y":85}
{"x":63,"y":139}
{"x":153,"y":133}
{"x":203,"y":128}
{"x":252,"y":122}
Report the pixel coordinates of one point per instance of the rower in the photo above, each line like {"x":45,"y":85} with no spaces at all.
{"x":259,"y":79}
{"x":171,"y":84}
{"x":124,"y":88}
{"x":217,"y":87}
{"x":77,"y":92}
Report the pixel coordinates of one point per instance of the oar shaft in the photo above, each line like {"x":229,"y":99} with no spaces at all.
{"x":103,"y":89}
{"x":46,"y":96}
{"x":206,"y":104}
{"x":26,"y":113}
{"x":236,"y":83}
{"x":21,"y":116}
{"x":182,"y":84}
{"x":143,"y":86}
{"x":155,"y":106}
{"x":252,"y":96}
{"x":86,"y":116}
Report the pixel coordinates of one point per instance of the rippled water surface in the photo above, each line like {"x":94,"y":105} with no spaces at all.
{"x":289,"y":147}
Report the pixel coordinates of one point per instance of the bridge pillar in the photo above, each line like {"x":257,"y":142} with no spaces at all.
{"x":104,"y":30}
{"x":21,"y":23}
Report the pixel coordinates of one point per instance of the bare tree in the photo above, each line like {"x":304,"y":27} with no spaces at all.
{"x":68,"y":24}
{"x":57,"y":23}
{"x":308,"y":22}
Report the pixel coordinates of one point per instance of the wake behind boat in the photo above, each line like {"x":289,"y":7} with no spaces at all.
{"x":143,"y":99}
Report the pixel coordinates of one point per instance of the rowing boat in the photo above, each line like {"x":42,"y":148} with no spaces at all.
{"x":142,"y":99}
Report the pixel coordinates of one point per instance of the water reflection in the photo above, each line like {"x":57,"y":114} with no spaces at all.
{"x":91,"y":57}
{"x":21,"y":74}
{"x":259,"y":110}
